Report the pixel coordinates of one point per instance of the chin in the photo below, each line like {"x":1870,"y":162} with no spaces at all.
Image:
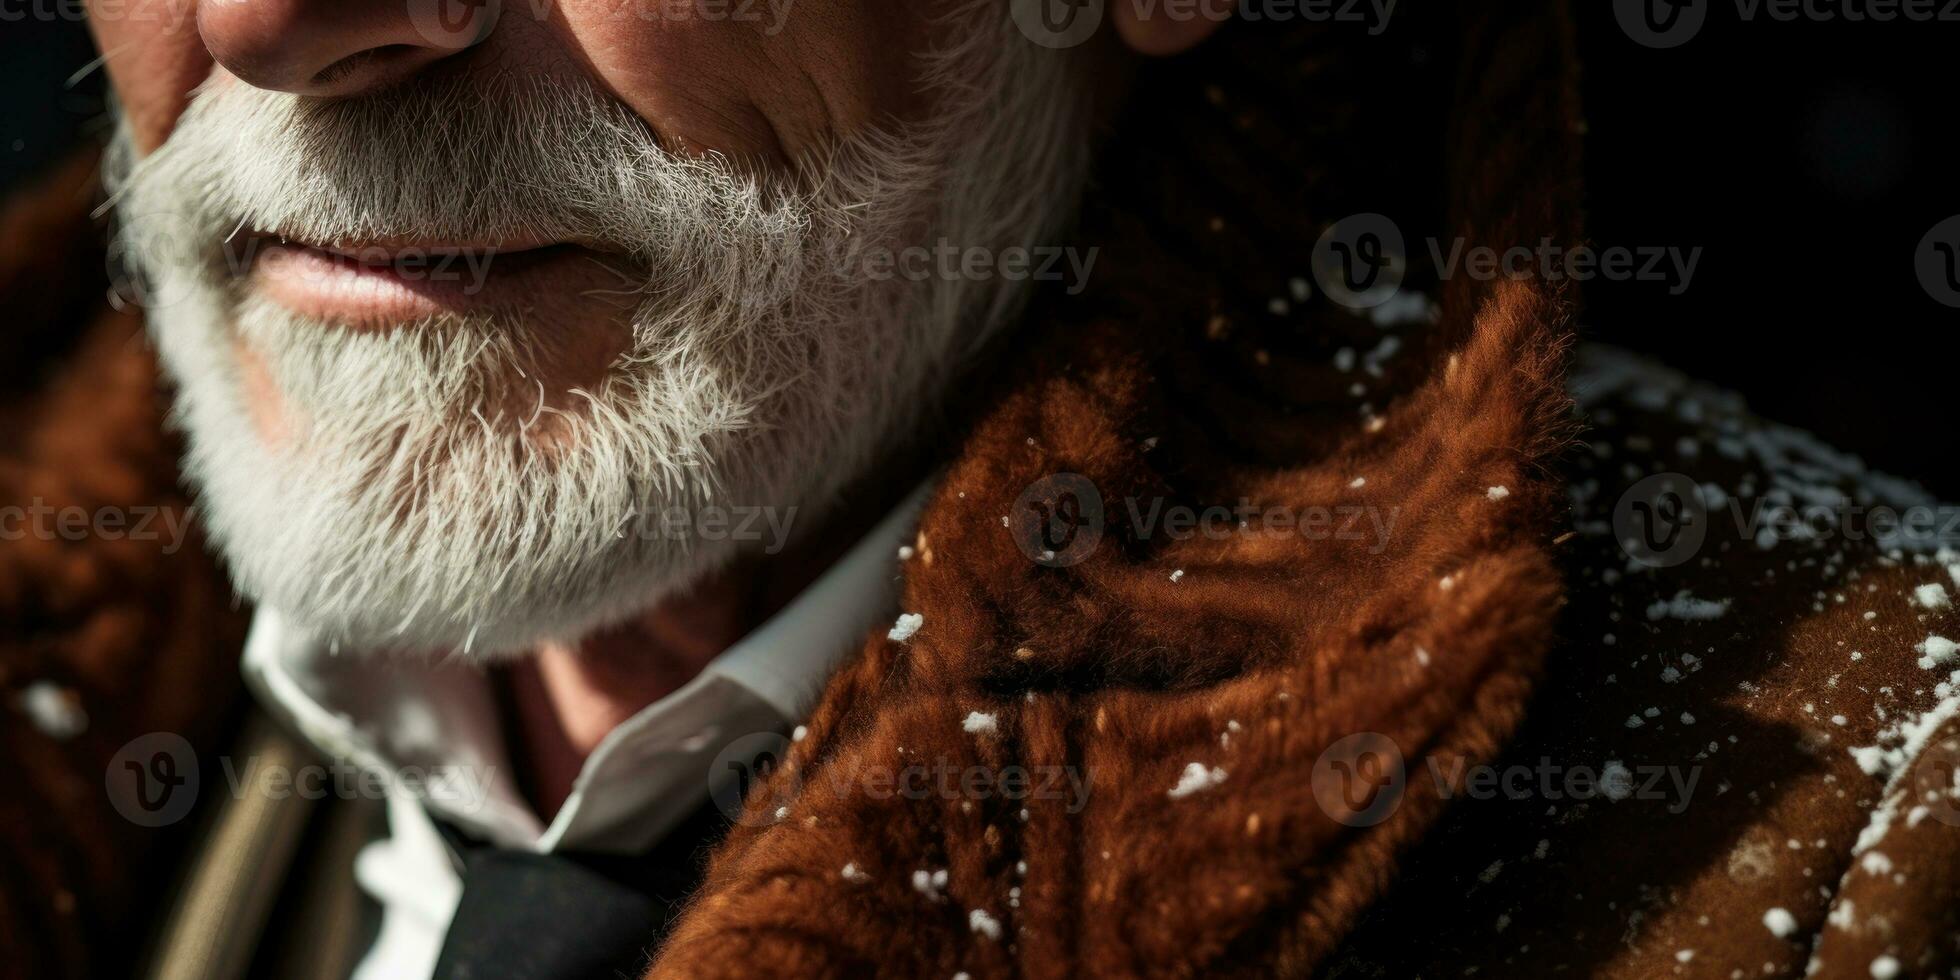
{"x":386,"y":522}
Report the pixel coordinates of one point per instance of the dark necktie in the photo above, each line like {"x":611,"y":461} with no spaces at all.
{"x":570,"y":916}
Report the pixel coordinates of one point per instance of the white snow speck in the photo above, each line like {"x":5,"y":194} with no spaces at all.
{"x":1684,"y":955}
{"x":1196,"y":777}
{"x":929,"y":883}
{"x":53,"y":709}
{"x":908,"y":624}
{"x":1616,"y":782}
{"x":1177,"y":575}
{"x":1870,"y":758}
{"x":1937,"y":650}
{"x":1407,"y":306}
{"x":801,"y":732}
{"x":905,"y":552}
{"x":980,"y":921}
{"x":853,"y":875}
{"x":1932,"y":596}
{"x":1686,"y":606}
{"x":1876,"y":863}
{"x":979,"y":721}
{"x":1498,"y":493}
{"x":1780,"y":922}
{"x":1357,"y":483}
{"x":1885,"y":968}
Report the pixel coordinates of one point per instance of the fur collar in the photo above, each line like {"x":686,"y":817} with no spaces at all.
{"x":1220,"y":694}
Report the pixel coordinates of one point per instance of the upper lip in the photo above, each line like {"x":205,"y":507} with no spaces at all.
{"x":388,"y":250}
{"x":384,"y":250}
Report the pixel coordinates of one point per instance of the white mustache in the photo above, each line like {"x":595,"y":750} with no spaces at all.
{"x":489,"y":162}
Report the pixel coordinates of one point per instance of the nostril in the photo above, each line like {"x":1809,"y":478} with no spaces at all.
{"x":322,"y":48}
{"x":371,"y":61}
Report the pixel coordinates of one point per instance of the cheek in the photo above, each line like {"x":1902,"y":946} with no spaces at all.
{"x":154,"y":57}
{"x":770,"y":79}
{"x":267,"y":406}
{"x":774,"y":79}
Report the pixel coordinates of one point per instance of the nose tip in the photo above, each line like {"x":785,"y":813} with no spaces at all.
{"x":337,"y":47}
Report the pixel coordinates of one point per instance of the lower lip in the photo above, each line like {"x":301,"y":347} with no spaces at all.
{"x":403,"y":287}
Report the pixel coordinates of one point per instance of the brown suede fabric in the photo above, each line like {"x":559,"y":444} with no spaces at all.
{"x":133,"y":634}
{"x":1279,"y":733}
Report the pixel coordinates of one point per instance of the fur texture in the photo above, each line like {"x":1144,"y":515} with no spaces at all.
{"x":1821,"y":747}
{"x":1245,"y":655}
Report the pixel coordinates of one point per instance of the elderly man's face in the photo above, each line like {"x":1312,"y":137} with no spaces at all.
{"x":478,"y":313}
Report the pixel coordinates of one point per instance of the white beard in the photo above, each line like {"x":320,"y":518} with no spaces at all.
{"x":412,"y":507}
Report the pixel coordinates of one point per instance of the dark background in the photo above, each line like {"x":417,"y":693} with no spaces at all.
{"x":1806,"y":160}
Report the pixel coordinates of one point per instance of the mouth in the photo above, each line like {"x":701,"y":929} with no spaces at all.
{"x":387,"y":283}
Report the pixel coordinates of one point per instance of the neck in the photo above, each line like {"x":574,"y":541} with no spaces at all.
{"x":562,"y":701}
{"x":565,"y":699}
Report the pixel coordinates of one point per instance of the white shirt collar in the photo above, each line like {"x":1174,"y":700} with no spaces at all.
{"x":432,"y":726}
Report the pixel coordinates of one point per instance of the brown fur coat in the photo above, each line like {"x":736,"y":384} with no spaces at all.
{"x":1280,"y":733}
